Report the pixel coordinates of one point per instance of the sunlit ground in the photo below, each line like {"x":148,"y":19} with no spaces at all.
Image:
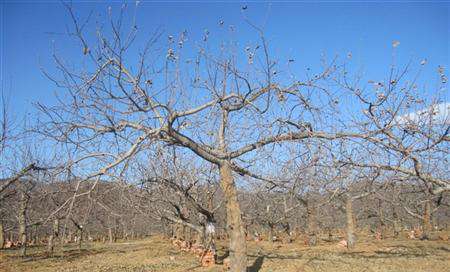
{"x":158,"y":254}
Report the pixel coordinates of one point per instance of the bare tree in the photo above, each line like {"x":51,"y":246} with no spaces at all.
{"x":226,"y":105}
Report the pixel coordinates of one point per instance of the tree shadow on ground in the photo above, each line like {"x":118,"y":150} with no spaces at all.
{"x":68,"y":255}
{"x":257,"y":264}
{"x":279,"y":256}
{"x":222,"y":257}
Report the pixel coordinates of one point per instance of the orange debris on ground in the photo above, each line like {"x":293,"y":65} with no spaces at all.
{"x":208,"y":259}
{"x":342,"y":243}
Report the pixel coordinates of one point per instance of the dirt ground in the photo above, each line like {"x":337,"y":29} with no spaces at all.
{"x":158,"y":254}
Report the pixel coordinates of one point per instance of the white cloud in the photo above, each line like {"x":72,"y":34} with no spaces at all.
{"x":439,"y":114}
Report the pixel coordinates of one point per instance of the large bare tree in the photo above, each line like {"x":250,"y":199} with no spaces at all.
{"x":227,"y":104}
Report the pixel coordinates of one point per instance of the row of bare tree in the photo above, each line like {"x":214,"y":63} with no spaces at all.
{"x":189,"y":211}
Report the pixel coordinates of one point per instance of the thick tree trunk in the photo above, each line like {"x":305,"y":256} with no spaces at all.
{"x":235,"y":227}
{"x":427,"y":221}
{"x":351,"y":237}
{"x":23,"y":222}
{"x":2,"y":237}
{"x":312,"y":222}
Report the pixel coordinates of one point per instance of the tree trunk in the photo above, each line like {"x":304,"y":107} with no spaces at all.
{"x":69,"y":236}
{"x":178,"y":230}
{"x":80,"y":231}
{"x":271,"y":233}
{"x":287,"y":230}
{"x":351,"y":237}
{"x":187,"y":233}
{"x":110,"y":234}
{"x":54,"y":235}
{"x":382,"y":224}
{"x":23,"y":222}
{"x":65,"y":237}
{"x":183,"y":233}
{"x":427,"y":221}
{"x":2,"y":237}
{"x":116,"y":229}
{"x":35,"y":238}
{"x":312,"y":222}
{"x":208,"y":237}
{"x":50,"y":244}
{"x":235,"y":227}
{"x":395,"y":224}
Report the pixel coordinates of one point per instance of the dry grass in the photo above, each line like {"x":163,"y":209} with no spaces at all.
{"x":157,"y":254}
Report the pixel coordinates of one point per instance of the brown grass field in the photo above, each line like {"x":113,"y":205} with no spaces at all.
{"x":157,"y":254}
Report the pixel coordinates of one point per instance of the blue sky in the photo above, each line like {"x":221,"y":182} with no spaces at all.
{"x":299,"y":30}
